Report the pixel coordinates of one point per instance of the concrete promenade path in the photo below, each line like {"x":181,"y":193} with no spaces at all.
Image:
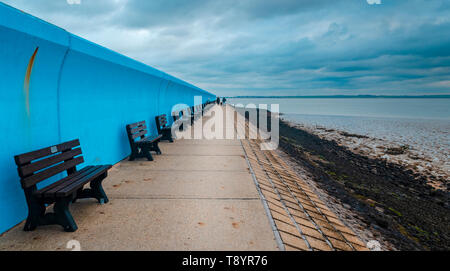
{"x":200,"y":194}
{"x":197,"y":195}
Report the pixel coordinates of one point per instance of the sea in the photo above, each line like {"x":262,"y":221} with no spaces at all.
{"x":422,"y":123}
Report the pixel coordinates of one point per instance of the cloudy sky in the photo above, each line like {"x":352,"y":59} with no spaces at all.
{"x":279,"y":47}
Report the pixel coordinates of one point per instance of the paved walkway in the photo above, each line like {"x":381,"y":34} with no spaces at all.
{"x":301,"y":220}
{"x":199,"y":195}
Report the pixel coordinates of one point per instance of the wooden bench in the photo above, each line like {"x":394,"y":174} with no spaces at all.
{"x":37,"y":166}
{"x":178,"y":115}
{"x":140,"y":143}
{"x":195,"y":110}
{"x":199,"y":110}
{"x":163,"y":128}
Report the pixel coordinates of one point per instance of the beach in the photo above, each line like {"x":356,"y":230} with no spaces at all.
{"x":413,"y":133}
{"x":393,"y":189}
{"x":379,"y":199}
{"x":421,"y":146}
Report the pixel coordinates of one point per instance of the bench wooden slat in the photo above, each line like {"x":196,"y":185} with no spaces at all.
{"x":41,"y":164}
{"x":142,"y":133}
{"x":161,"y":120}
{"x":177,"y":115}
{"x":138,"y":129}
{"x":51,"y":193}
{"x":41,"y":192}
{"x":150,"y":139}
{"x":82,"y":181}
{"x":45,"y":174}
{"x":30,"y":156}
{"x":136,"y":124}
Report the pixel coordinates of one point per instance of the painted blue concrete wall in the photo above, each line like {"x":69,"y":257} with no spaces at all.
{"x":77,"y":89}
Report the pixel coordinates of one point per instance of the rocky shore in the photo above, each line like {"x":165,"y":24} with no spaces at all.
{"x":402,"y":207}
{"x":429,"y":160}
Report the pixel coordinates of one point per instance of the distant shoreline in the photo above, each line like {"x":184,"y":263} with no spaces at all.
{"x":347,"y":97}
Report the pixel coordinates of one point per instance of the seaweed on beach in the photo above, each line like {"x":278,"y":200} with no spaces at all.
{"x":397,"y":150}
{"x":389,"y":199}
{"x":352,"y":135}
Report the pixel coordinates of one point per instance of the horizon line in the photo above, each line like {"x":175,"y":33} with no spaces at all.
{"x":446,"y":96}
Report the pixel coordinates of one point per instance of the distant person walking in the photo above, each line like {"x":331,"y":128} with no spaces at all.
{"x":224,"y":100}
{"x":218,"y":100}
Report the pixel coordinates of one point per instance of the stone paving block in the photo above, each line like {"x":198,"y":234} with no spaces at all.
{"x":293,"y":241}
{"x":353,"y":239}
{"x":290,"y":248}
{"x":304,"y":222}
{"x":332,"y":233}
{"x":318,"y":244}
{"x":339,"y":244}
{"x":288,"y":228}
{"x":282,"y":217}
{"x":312,"y":232}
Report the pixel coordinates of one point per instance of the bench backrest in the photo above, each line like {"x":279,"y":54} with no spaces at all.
{"x":37,"y":166}
{"x":161,"y":122}
{"x":176,"y":115}
{"x":195,"y":109}
{"x":137,"y":131}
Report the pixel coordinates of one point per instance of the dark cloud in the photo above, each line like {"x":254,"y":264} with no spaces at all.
{"x":285,"y":47}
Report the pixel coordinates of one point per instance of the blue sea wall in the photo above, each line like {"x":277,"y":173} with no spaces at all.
{"x":55,"y":87}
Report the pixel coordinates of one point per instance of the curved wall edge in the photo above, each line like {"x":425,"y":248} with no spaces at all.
{"x":75,"y":89}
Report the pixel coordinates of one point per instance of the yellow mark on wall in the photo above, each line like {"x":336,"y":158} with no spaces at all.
{"x":26,"y":83}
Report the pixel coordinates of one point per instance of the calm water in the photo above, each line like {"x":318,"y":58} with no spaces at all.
{"x":421,"y":123}
{"x":385,"y":108}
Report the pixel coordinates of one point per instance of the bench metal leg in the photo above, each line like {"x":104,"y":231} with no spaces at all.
{"x":79,"y":192}
{"x":167,"y":135}
{"x":38,"y":217}
{"x":63,"y":216}
{"x":36,"y":212}
{"x":134,"y":154}
{"x":97,"y":189}
{"x":156,"y":148}
{"x":60,"y":216}
{"x":148,"y":154}
{"x":143,"y":151}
